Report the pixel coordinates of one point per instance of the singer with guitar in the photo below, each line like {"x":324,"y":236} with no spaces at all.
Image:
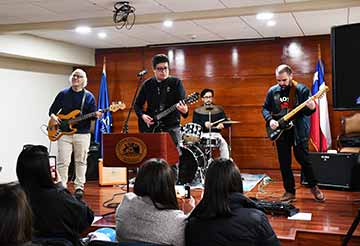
{"x":74,"y":98}
{"x":160,"y":93}
{"x":281,"y":98}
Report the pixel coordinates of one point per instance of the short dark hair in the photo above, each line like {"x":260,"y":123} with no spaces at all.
{"x":206,"y":90}
{"x":159,"y":58}
{"x":222,"y":178}
{"x":283,"y":68}
{"x":33,"y":169}
{"x":156,"y":180}
{"x":15,"y":214}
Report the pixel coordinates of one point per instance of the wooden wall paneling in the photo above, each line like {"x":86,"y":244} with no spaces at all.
{"x":240,"y":73}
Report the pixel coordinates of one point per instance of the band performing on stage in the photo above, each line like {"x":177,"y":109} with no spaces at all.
{"x":159,"y":105}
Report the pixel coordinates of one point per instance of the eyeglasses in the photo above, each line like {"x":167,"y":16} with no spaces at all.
{"x":77,"y":76}
{"x":207,"y":97}
{"x":160,"y":69}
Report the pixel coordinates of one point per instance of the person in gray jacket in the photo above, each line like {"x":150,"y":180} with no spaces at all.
{"x":151,"y":214}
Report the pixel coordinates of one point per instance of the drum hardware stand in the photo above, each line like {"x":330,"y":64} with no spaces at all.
{"x":229,"y":146}
{"x":209,"y":108}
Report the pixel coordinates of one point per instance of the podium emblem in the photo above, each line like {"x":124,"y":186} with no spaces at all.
{"x":131,"y":150}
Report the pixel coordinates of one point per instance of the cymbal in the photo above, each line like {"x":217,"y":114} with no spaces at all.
{"x":231,"y":122}
{"x":213,"y":109}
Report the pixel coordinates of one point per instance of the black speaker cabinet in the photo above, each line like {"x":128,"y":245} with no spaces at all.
{"x":339,"y":170}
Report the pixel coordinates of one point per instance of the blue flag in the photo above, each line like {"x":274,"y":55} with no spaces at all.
{"x":103,"y":125}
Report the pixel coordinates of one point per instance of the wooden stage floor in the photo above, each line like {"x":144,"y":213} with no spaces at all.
{"x":330,"y":220}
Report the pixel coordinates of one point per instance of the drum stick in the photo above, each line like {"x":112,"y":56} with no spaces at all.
{"x":218,"y":121}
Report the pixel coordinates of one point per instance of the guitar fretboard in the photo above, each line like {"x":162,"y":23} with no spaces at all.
{"x":165,"y":112}
{"x":289,"y":115}
{"x":86,"y":116}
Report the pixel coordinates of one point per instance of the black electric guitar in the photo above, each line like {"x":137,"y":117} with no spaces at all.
{"x":68,"y":121}
{"x":284,"y":117}
{"x":157,"y":126}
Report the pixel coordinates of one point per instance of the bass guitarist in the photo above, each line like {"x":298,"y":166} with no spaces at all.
{"x":69,"y":99}
{"x":280,"y":99}
{"x":160,"y":93}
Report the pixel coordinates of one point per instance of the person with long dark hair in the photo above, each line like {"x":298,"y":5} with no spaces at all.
{"x":15,"y":214}
{"x":57,"y":214}
{"x":151,"y":213}
{"x":225,"y":216}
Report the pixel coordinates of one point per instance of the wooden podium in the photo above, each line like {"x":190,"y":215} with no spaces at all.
{"x":131,"y":150}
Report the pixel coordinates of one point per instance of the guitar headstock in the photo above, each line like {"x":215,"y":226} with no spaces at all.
{"x":192,"y":98}
{"x":115,"y":106}
{"x":321,"y":92}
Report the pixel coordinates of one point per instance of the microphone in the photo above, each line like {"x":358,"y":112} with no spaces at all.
{"x":142,"y":73}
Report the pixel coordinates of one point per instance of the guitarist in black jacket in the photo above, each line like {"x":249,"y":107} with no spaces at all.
{"x":160,"y":93}
{"x":280,"y":99}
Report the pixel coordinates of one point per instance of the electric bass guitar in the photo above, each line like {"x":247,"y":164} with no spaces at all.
{"x":67,"y":121}
{"x":284,"y":117}
{"x":157,"y":126}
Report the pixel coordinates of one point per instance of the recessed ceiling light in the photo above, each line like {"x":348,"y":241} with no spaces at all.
{"x":271,"y":23}
{"x":264,"y":16}
{"x":83,"y":29}
{"x":168,"y":23}
{"x":102,"y":35}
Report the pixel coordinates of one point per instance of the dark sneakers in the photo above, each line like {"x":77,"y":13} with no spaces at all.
{"x":79,"y":194}
{"x":288,"y":197}
{"x":318,"y":195}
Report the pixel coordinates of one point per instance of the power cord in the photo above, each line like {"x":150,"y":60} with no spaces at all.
{"x":110,"y":204}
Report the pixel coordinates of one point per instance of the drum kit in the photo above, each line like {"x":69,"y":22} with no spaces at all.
{"x":196,"y":152}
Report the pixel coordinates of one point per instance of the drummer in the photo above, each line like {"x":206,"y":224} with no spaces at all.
{"x":201,"y":117}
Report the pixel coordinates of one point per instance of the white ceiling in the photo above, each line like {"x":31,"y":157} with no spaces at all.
{"x":317,"y":18}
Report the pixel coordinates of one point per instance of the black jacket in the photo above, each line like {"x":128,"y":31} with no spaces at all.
{"x":301,"y":120}
{"x":57,"y":214}
{"x":160,"y":96}
{"x":247,"y":226}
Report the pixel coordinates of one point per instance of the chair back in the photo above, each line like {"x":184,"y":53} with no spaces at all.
{"x":351,"y":124}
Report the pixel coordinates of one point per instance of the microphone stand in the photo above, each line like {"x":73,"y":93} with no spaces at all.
{"x":126,"y":123}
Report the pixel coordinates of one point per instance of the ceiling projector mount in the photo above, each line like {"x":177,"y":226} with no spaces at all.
{"x":124,"y":15}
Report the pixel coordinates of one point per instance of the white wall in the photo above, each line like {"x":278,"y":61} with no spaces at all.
{"x":25,"y":46}
{"x":27,"y":89}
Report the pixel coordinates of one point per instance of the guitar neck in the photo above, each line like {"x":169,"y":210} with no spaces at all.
{"x":289,"y":115}
{"x":86,"y":116}
{"x":165,"y":112}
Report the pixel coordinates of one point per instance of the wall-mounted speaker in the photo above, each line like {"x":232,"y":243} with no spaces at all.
{"x":345,"y":51}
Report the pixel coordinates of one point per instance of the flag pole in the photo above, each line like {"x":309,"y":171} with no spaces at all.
{"x":319,"y":52}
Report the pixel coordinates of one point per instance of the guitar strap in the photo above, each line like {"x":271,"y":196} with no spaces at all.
{"x":83,"y":102}
{"x":292,"y":95}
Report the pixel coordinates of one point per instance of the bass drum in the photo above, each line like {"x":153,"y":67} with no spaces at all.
{"x":191,"y":158}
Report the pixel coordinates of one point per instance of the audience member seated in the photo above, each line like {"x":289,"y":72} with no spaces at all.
{"x":151,"y":214}
{"x":225,"y":216}
{"x":56,"y":213}
{"x":15,"y":214}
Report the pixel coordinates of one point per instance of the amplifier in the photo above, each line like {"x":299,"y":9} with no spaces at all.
{"x":340,"y":170}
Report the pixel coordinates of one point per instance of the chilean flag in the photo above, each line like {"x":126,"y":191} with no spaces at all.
{"x":320,"y":134}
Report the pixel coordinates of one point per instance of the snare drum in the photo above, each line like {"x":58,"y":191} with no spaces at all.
{"x":191,"y":133}
{"x":213,"y":142}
